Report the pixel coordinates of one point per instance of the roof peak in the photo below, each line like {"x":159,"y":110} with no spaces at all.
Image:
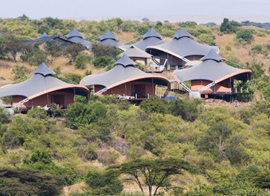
{"x":212,"y":55}
{"x":44,"y":35}
{"x":151,"y":33}
{"x":182,"y":33}
{"x":74,"y":33}
{"x":44,"y":70}
{"x":107,"y":35}
{"x":125,"y":61}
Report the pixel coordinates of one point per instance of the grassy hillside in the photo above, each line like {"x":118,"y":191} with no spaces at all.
{"x":227,"y":145}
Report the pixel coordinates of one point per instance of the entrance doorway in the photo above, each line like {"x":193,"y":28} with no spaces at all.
{"x":59,"y":99}
{"x":140,"y":90}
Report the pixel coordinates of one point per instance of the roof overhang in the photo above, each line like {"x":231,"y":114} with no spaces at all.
{"x":84,"y":90}
{"x":141,"y":78}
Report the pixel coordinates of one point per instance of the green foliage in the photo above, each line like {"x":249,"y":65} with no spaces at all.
{"x":27,"y":52}
{"x":229,"y":26}
{"x":103,"y":184}
{"x":37,"y":58}
{"x":73,"y":51}
{"x":155,"y":172}
{"x":244,"y":36}
{"x":100,"y":50}
{"x":39,"y":113}
{"x":13,"y":45}
{"x":81,"y":61}
{"x":28,"y":182}
{"x":154,"y":105}
{"x":4,"y":116}
{"x":244,"y":173}
{"x":53,"y":49}
{"x":73,"y":77}
{"x":19,"y":72}
{"x":102,"y":61}
{"x":188,"y":110}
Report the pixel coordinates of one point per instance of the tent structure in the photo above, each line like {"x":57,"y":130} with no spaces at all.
{"x":181,"y":50}
{"x":151,"y":38}
{"x":125,"y":80}
{"x":109,"y":39}
{"x":76,"y":37}
{"x":135,"y":53}
{"x":45,"y":38}
{"x":212,"y":76}
{"x":42,"y":89}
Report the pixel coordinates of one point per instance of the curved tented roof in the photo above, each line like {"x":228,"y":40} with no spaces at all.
{"x":123,"y":72}
{"x":211,"y":69}
{"x":109,"y":39}
{"x":144,"y":43}
{"x":74,"y":33}
{"x":43,"y":38}
{"x":151,"y":33}
{"x":41,"y":83}
{"x":110,"y":42}
{"x":80,"y":40}
{"x":182,"y":46}
{"x":107,"y":35}
{"x":134,"y":52}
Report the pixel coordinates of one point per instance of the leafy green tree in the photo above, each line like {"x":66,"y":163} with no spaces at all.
{"x":102,"y":61}
{"x":73,"y":51}
{"x":155,"y":172}
{"x":154,"y":105}
{"x":244,"y":173}
{"x":73,"y":77}
{"x":244,"y":36}
{"x":27,"y":52}
{"x":19,"y":72}
{"x":103,"y":184}
{"x":2,"y":47}
{"x":39,"y":113}
{"x":187,"y":109}
{"x":28,"y":182}
{"x":13,"y":45}
{"x":53,"y":49}
{"x":103,"y":50}
{"x":229,"y":26}
{"x":37,"y":58}
{"x":82,"y":60}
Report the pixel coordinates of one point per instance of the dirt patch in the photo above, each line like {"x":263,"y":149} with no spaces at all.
{"x":121,"y":146}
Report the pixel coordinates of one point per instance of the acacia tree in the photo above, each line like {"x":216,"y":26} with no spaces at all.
{"x":155,"y":172}
{"x":13,"y":45}
{"x":73,"y":51}
{"x":53,"y":49}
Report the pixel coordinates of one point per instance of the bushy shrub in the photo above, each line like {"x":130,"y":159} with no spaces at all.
{"x":81,"y":61}
{"x":154,"y":104}
{"x":102,"y":61}
{"x":37,"y":113}
{"x":244,"y":36}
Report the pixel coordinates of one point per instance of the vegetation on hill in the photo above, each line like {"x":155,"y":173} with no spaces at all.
{"x":177,"y":147}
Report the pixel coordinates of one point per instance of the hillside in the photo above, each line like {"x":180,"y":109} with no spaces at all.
{"x":222,"y":149}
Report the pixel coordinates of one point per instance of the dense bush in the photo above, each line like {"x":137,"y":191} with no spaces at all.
{"x":244,"y":36}
{"x":81,"y":61}
{"x":102,"y":61}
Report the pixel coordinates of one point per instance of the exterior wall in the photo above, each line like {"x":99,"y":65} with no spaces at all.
{"x":128,"y":89}
{"x":45,"y":100}
{"x":196,"y":85}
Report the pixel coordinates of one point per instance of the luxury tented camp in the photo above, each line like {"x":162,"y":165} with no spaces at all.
{"x":41,"y":90}
{"x":180,"y":50}
{"x":126,"y":81}
{"x":135,"y":53}
{"x":212,"y":76}
{"x":151,"y":38}
{"x":76,"y":37}
{"x":108,"y":39}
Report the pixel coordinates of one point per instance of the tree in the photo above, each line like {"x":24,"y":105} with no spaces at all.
{"x":73,"y":51}
{"x":2,"y":47}
{"x":28,"y":182}
{"x":82,"y":60}
{"x":102,"y":61}
{"x":13,"y":45}
{"x":37,"y":58}
{"x":19,"y":72}
{"x":27,"y":52}
{"x":154,"y":105}
{"x":229,"y":26}
{"x":103,"y":50}
{"x":244,"y":36}
{"x":214,"y":139}
{"x":155,"y":172}
{"x":53,"y":49}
